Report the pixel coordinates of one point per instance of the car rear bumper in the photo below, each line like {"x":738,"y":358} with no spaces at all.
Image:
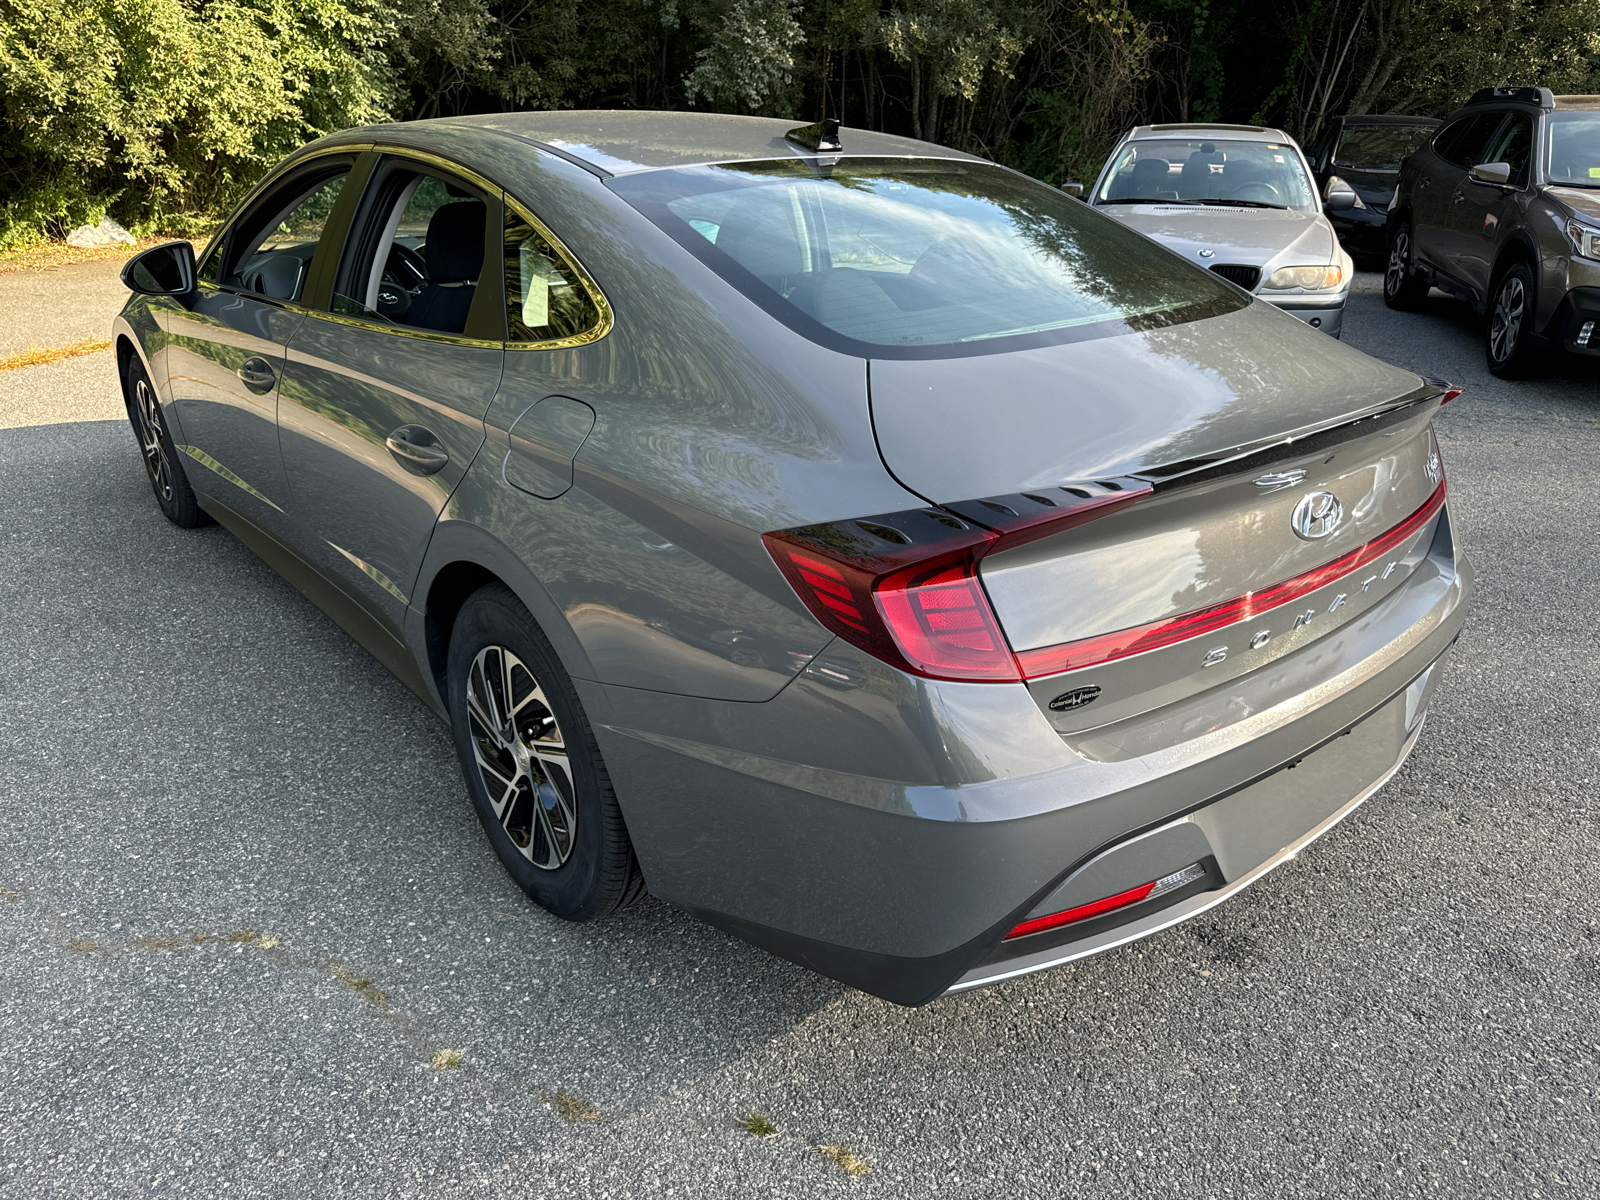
{"x":890,"y":831}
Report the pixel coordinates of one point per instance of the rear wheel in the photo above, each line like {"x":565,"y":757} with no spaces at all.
{"x":1402,"y":288}
{"x":161,"y":465}
{"x":1508,"y":347}
{"x":537,"y":780}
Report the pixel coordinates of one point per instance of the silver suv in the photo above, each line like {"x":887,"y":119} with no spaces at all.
{"x":1502,"y":208}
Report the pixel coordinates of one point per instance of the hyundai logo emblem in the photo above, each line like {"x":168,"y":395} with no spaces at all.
{"x":1316,"y":516}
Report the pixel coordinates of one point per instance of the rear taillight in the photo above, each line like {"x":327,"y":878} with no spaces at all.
{"x":904,"y":586}
{"x":1448,"y":391}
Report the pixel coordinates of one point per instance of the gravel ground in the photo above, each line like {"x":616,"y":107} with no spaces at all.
{"x":245,"y":906}
{"x":59,"y":306}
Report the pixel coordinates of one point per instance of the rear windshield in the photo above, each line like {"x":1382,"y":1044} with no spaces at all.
{"x":1574,"y":148}
{"x":1378,"y":147}
{"x":922,"y":258}
{"x":1243,"y":173}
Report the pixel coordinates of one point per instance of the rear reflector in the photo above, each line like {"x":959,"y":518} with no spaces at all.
{"x":1145,"y":891}
{"x":1124,"y":643}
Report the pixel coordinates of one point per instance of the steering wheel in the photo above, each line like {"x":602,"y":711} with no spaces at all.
{"x":1262,"y":192}
{"x":404,"y":274}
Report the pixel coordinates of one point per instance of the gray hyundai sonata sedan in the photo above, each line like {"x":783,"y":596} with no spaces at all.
{"x":874,"y":551}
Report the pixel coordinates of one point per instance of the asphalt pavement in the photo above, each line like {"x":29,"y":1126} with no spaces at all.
{"x":244,"y":907}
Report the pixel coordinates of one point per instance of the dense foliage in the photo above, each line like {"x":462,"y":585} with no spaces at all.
{"x":160,"y":111}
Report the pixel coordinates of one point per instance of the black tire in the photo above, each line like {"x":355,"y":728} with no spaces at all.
{"x":560,"y":836}
{"x":1508,"y":333}
{"x":162,"y":465}
{"x":1402,"y":287}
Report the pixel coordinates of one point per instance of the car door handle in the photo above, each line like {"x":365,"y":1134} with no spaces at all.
{"x":257,"y":375}
{"x":417,"y":450}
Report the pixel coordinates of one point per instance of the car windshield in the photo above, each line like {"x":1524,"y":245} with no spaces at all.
{"x":1248,"y":174}
{"x":1378,"y":147}
{"x":921,"y":257}
{"x":1574,"y":148}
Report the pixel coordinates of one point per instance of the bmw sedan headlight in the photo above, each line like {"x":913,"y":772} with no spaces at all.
{"x":1312,"y":279}
{"x":1585,"y":239}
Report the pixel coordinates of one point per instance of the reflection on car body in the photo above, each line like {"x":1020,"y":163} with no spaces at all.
{"x":748,"y":510}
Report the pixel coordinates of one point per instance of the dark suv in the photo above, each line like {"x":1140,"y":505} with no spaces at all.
{"x":1502,"y":208}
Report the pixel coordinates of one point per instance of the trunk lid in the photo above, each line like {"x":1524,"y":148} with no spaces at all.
{"x":1236,"y":421}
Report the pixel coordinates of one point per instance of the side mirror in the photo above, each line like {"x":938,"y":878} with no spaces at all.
{"x":164,"y":270}
{"x":1338,"y":195}
{"x":1072,"y":188}
{"x":1498,"y":174}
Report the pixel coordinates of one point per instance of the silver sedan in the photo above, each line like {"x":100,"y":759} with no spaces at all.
{"x":1241,"y":200}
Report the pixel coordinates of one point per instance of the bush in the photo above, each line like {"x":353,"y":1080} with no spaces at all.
{"x":161,"y":111}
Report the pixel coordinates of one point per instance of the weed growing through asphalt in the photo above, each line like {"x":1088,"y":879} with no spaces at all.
{"x":240,"y":935}
{"x":573,"y":1108}
{"x":158,"y":943}
{"x":83,"y":945}
{"x":846,"y":1159}
{"x":369,"y":991}
{"x":10,"y":894}
{"x":447,"y":1060}
{"x":758,"y":1124}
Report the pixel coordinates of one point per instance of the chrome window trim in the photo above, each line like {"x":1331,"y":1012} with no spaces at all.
{"x":597,"y":297}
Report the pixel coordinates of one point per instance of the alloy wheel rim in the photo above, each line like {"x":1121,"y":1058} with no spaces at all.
{"x":521,"y":756}
{"x":152,"y":439}
{"x":1395,"y":277}
{"x":1507,"y":321}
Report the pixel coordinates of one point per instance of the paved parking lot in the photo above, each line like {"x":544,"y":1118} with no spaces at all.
{"x":244,"y":905}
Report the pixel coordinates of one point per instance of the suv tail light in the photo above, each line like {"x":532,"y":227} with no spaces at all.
{"x":904,"y":586}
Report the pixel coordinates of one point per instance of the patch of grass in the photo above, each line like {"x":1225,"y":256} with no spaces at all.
{"x":158,"y":943}
{"x":447,"y":1060}
{"x":846,"y":1159}
{"x":38,"y":356}
{"x":758,"y":1124}
{"x":241,"y":936}
{"x":198,"y":938}
{"x":573,"y":1108}
{"x":10,"y":894}
{"x":83,"y":945}
{"x":370,"y":992}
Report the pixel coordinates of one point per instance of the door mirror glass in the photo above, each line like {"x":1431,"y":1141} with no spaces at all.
{"x":1338,"y":195}
{"x":165,"y":270}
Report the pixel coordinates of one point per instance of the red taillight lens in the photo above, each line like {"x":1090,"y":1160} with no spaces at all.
{"x":929,"y":617}
{"x":1450,"y":393}
{"x":904,"y":587}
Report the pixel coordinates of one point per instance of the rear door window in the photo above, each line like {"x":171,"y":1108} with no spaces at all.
{"x":1461,"y":142}
{"x":418,"y":255}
